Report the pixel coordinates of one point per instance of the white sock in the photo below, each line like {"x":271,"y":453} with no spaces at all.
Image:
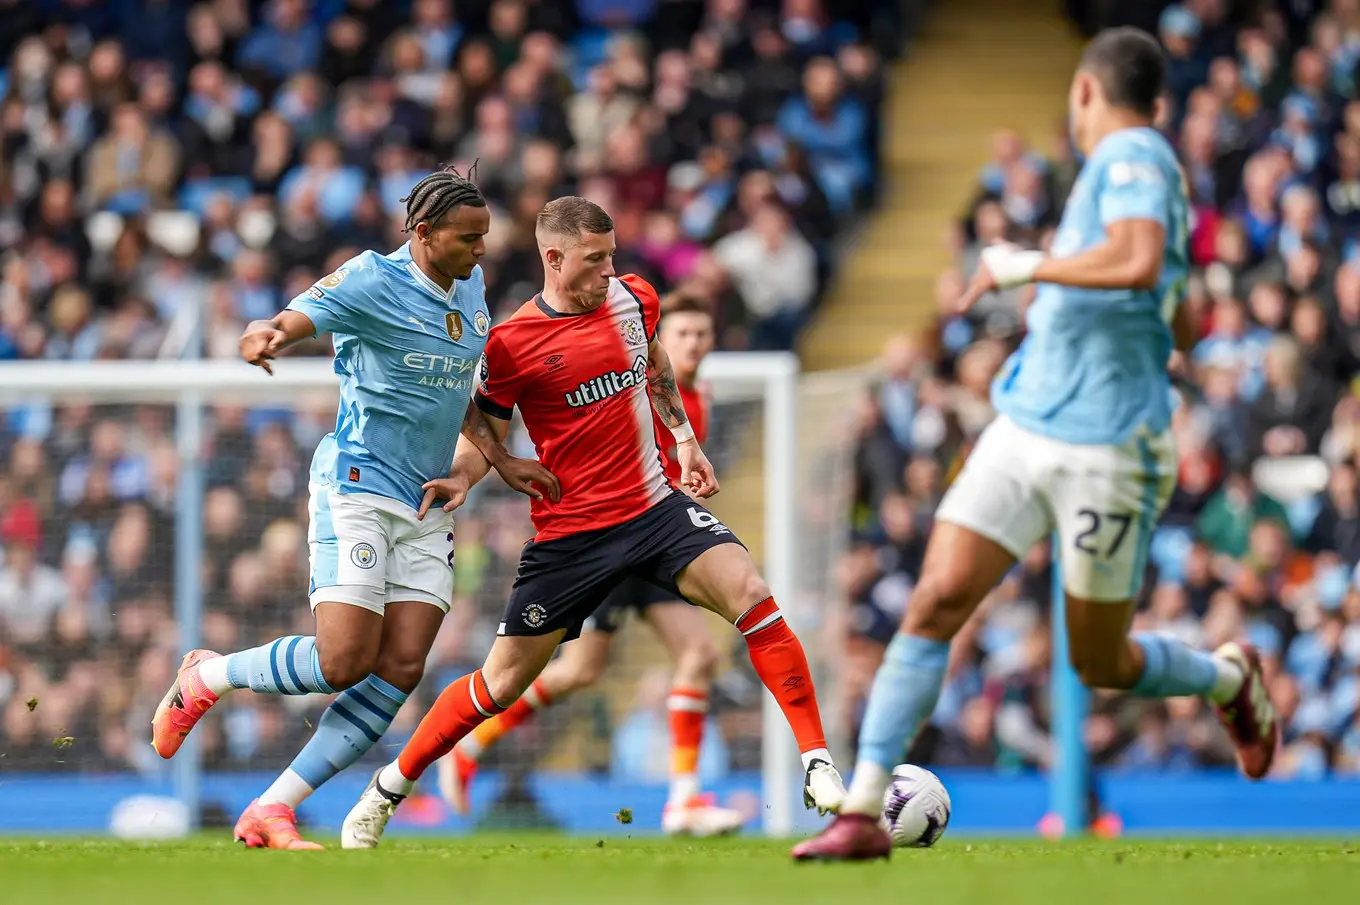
{"x":1227,"y":682}
{"x":289,"y":789}
{"x":214,"y":675}
{"x":816,"y":754}
{"x":393,"y":780}
{"x":867,"y":786}
{"x":683,"y":787}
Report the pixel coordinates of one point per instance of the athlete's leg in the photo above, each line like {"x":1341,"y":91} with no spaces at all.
{"x":961,"y":567}
{"x":990,"y":517}
{"x":511,"y":665}
{"x":360,"y":715}
{"x":1106,"y":513}
{"x":577,"y":666}
{"x":684,"y":631}
{"x":723,"y":579}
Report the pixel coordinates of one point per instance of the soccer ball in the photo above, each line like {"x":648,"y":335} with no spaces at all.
{"x":915,"y":807}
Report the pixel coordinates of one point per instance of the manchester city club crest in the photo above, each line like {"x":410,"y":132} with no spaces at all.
{"x":453,"y":323}
{"x":535,"y":615}
{"x":633,"y":333}
{"x":364,"y":556}
{"x":481,"y":324}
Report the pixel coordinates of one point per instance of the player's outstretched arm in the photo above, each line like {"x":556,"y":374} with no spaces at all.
{"x":696,"y":472}
{"x":262,"y":340}
{"x":1129,"y":258}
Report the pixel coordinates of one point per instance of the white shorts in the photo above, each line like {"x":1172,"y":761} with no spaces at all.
{"x":1017,"y":487}
{"x":369,"y":551}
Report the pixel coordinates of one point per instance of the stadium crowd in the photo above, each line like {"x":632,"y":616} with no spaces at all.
{"x":170,"y":170}
{"x":1262,"y":537}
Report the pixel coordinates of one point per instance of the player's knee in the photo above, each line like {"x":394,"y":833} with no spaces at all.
{"x":583,"y":675}
{"x":939,"y":606}
{"x":404,"y":674}
{"x":754,"y":588}
{"x":505,"y":685}
{"x":1100,"y":666}
{"x":698,"y":661}
{"x":343,"y":667}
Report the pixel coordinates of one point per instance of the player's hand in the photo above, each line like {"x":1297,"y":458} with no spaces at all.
{"x":454,"y":489}
{"x":696,"y":472}
{"x":1001,"y":266}
{"x":524,"y":474}
{"x":982,"y":283}
{"x":260,"y":345}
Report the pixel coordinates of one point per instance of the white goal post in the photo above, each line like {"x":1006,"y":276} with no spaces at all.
{"x":782,"y":463}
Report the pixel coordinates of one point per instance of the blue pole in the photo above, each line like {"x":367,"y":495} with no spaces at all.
{"x":187,"y":767}
{"x":1070,"y":772}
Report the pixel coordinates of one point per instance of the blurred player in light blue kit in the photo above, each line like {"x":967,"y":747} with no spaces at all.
{"x":1081,"y":445}
{"x":409,"y":329}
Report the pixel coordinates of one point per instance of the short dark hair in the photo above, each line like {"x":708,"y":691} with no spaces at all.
{"x":440,"y":192}
{"x":572,"y":215}
{"x":1129,"y":64}
{"x":682,"y":302}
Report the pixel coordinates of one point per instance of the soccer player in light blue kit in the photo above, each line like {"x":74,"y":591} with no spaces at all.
{"x":409,"y":329}
{"x":1081,"y":446}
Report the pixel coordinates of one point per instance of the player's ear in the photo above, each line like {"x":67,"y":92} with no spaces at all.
{"x":422,"y":232}
{"x":553,"y":255}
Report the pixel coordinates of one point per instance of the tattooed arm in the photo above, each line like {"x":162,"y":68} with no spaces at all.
{"x":696,"y":472}
{"x":665,"y":394}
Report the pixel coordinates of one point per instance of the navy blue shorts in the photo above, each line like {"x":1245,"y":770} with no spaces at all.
{"x":632,"y":595}
{"x":563,"y":581}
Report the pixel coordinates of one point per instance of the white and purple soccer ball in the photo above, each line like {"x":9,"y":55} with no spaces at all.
{"x":915,"y":807}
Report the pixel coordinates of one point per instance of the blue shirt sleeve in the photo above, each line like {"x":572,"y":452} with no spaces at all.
{"x":1134,"y":188}
{"x":334,"y":303}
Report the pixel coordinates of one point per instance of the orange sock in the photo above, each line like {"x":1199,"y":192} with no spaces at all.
{"x":688,"y":708}
{"x":783,"y":667}
{"x":459,"y":709}
{"x":486,"y":734}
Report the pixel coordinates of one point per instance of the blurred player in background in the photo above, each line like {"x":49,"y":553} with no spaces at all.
{"x":687,"y":334}
{"x":409,"y":329}
{"x":1081,"y":445}
{"x":583,"y":364}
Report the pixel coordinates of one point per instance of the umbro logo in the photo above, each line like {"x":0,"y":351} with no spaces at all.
{"x":793,"y":683}
{"x":555,"y":363}
{"x":552,"y":360}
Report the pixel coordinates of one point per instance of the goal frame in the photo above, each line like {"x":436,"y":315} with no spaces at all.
{"x":190,"y":384}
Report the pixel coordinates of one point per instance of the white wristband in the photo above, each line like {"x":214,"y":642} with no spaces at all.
{"x":682,"y":433}
{"x":1010,"y":265}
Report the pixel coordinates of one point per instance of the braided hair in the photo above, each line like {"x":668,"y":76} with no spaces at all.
{"x":440,"y":192}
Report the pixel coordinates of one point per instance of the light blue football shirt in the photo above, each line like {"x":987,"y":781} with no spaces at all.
{"x":406,"y":352}
{"x":1092,"y":368}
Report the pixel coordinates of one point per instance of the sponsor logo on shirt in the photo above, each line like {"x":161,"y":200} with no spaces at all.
{"x":608,"y":384}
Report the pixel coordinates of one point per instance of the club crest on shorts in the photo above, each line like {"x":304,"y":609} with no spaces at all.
{"x":481,"y":324}
{"x":330,"y":281}
{"x":364,"y":556}
{"x":633,"y":333}
{"x":453,"y":323}
{"x":535,"y":615}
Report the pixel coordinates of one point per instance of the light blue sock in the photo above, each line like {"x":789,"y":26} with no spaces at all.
{"x":353,"y":723}
{"x":1172,"y":670}
{"x":287,"y":666}
{"x":904,"y":695}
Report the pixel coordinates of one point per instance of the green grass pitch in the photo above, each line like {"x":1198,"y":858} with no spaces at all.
{"x":529,"y":870}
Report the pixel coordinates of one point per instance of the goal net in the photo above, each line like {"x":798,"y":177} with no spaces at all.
{"x":149,"y":508}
